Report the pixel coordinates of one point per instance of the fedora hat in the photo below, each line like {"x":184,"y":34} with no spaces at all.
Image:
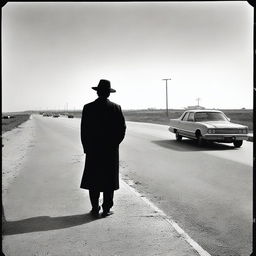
{"x":104,"y":85}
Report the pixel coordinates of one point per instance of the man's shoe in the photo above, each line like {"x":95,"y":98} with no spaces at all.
{"x":95,"y":212}
{"x":106,"y":213}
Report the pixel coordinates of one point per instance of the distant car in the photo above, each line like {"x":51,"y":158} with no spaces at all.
{"x":70,"y":116}
{"x":208,"y":125}
{"x":56,"y":115}
{"x":7,"y":117}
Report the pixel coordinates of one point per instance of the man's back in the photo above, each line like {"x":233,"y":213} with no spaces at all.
{"x":102,"y":125}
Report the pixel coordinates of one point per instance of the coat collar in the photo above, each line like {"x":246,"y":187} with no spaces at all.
{"x":102,"y":100}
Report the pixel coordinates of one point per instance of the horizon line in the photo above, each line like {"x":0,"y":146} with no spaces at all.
{"x":138,"y":109}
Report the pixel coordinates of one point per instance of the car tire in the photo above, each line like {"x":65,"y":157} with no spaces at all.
{"x":199,"y":139}
{"x":238,"y":143}
{"x":178,"y":137}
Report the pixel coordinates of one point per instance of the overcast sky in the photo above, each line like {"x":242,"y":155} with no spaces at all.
{"x":53,"y":53}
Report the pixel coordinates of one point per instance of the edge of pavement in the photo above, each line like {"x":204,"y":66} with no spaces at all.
{"x":183,"y":243}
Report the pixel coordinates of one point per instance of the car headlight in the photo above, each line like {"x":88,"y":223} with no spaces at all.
{"x":242,"y":131}
{"x":211,"y":131}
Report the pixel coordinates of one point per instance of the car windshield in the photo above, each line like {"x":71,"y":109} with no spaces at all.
{"x":209,"y":116}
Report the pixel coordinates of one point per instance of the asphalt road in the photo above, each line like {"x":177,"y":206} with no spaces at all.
{"x":206,"y":190}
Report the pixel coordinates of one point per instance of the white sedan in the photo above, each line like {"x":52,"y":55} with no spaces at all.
{"x":208,"y":125}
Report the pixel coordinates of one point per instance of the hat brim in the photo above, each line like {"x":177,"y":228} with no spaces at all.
{"x":96,"y":89}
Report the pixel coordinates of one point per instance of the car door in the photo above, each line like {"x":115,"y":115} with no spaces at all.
{"x":183,"y":124}
{"x":192,"y":126}
{"x":188,"y":125}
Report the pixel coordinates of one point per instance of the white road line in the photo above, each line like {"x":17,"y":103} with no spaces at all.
{"x":129,"y":183}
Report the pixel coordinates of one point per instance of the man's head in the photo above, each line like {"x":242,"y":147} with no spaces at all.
{"x":104,"y":88}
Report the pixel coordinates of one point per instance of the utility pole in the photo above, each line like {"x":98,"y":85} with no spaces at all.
{"x":198,"y":99}
{"x":166,"y":92}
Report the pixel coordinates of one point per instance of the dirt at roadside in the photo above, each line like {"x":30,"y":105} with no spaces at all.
{"x":15,"y":144}
{"x":13,"y":121}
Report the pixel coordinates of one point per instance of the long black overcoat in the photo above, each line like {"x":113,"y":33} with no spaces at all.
{"x":102,"y":130}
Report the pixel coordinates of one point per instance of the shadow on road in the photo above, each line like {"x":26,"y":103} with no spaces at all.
{"x":44,"y":223}
{"x":191,"y":145}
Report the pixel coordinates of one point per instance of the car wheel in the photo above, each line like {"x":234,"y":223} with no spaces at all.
{"x":200,"y":140}
{"x":178,"y":137}
{"x":238,"y":143}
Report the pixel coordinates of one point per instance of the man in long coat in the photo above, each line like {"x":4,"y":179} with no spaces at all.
{"x":102,"y":130}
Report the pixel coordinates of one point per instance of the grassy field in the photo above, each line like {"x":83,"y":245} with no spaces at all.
{"x":9,"y":124}
{"x":240,"y":116}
